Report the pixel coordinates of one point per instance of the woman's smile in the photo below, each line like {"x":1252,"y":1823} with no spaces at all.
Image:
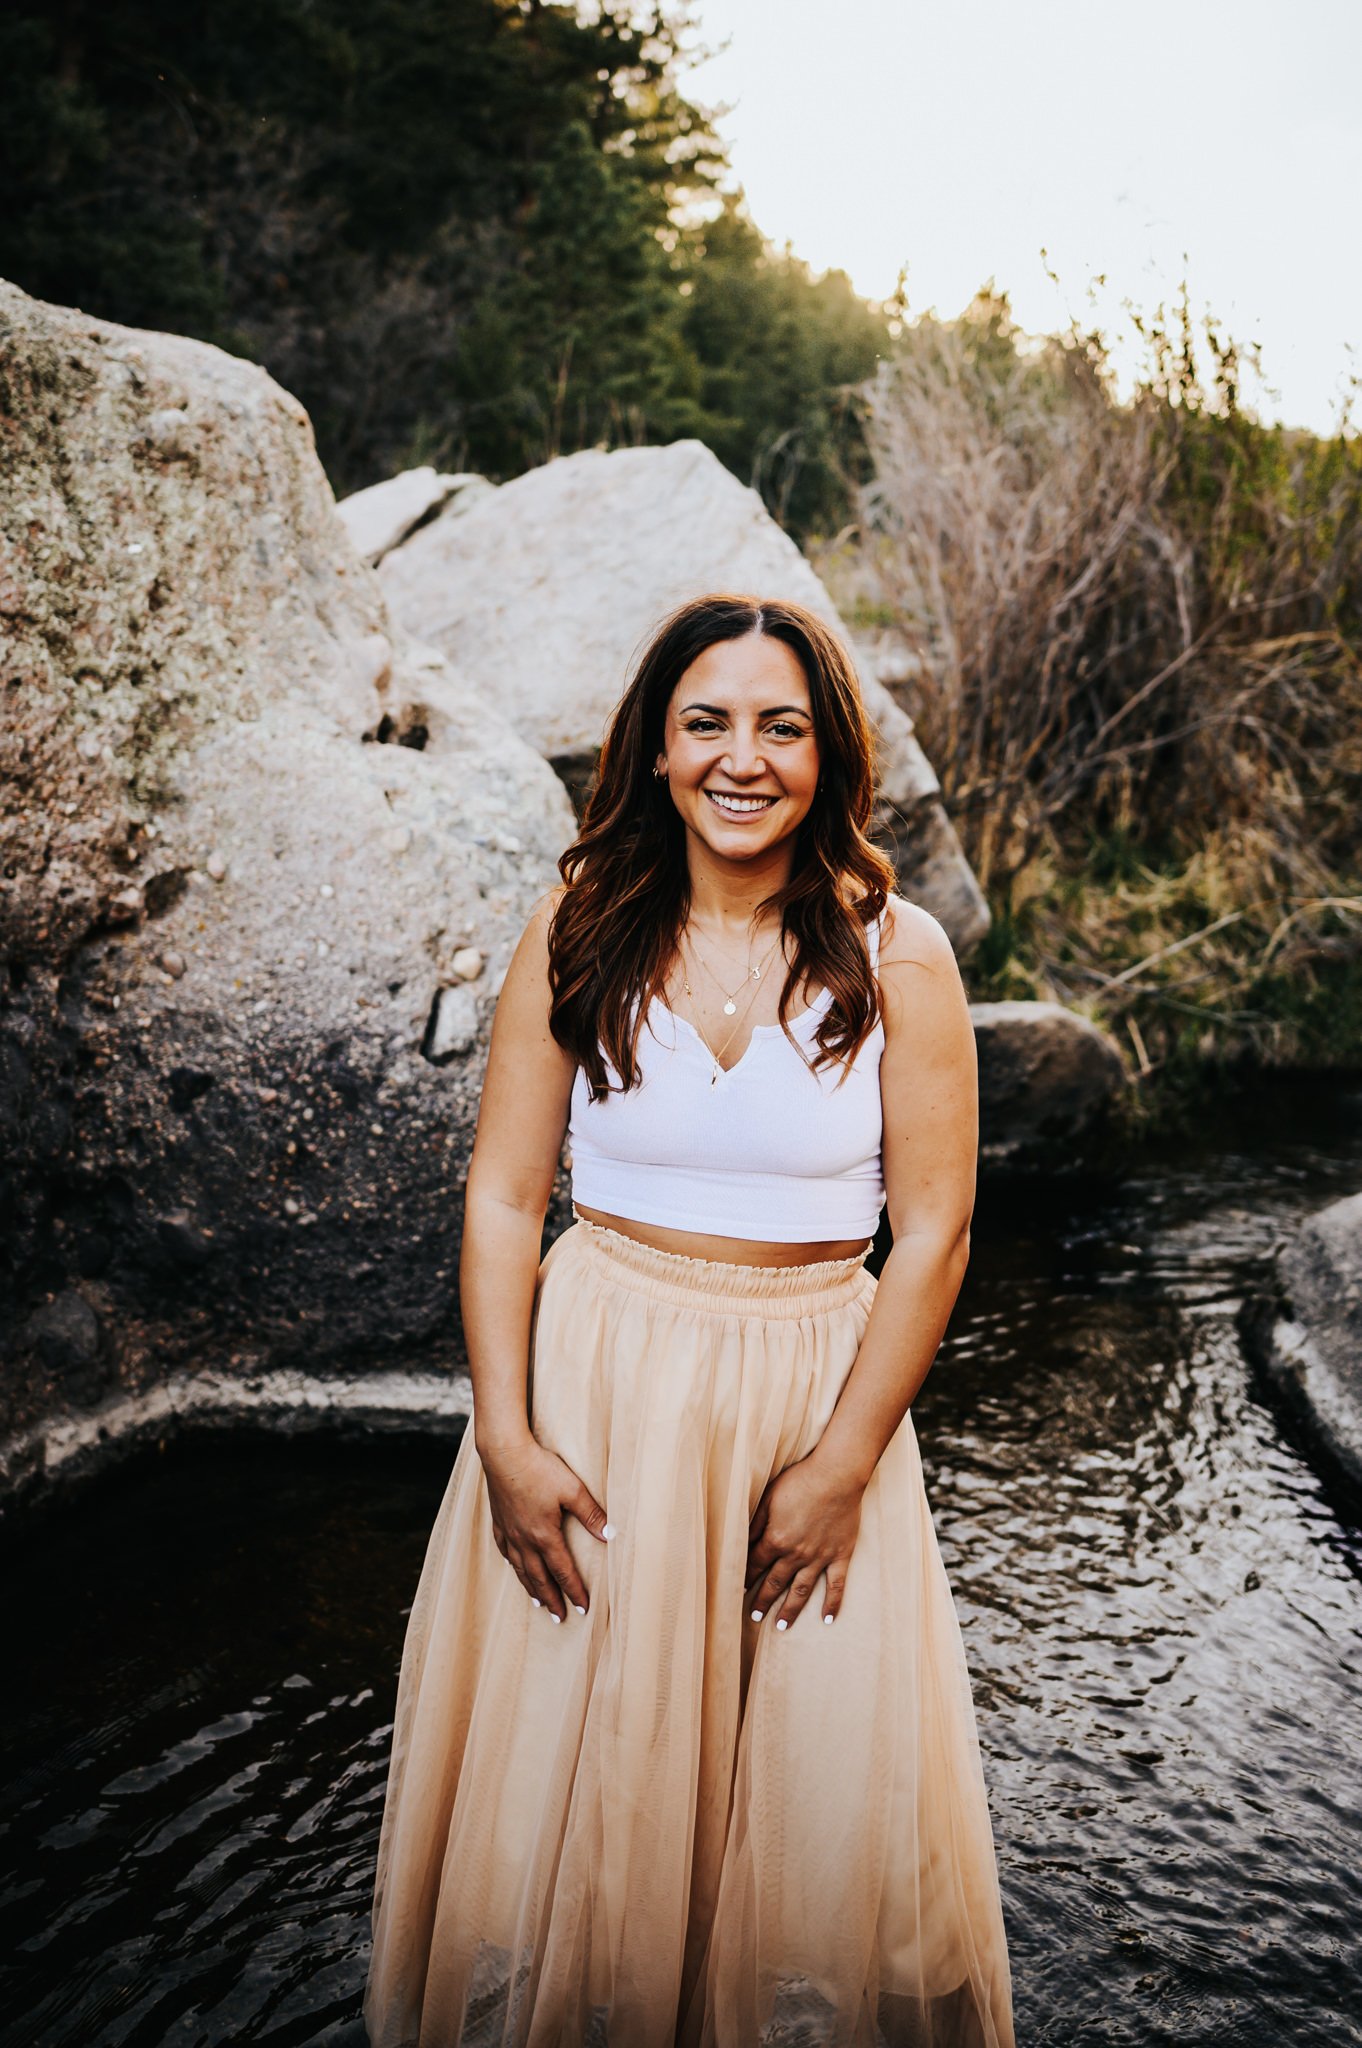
{"x":734,"y":806}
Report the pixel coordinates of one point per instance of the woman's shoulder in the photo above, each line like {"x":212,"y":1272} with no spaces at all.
{"x":541,"y":913}
{"x":911,"y":936}
{"x":528,"y":966}
{"x":924,"y":1002}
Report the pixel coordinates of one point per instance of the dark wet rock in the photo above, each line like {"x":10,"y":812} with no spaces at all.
{"x":1306,"y":1335}
{"x":68,"y":1340}
{"x":185,"y":1085}
{"x":183,"y":1241}
{"x":1048,"y":1080}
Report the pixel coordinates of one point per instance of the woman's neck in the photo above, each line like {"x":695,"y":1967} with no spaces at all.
{"x":724,"y":896}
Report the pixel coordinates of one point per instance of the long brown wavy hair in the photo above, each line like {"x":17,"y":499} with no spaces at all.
{"x":616,"y":926}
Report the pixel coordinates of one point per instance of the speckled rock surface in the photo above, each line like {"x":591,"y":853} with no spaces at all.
{"x":552,"y":583}
{"x":247,"y":830}
{"x":1048,"y":1079}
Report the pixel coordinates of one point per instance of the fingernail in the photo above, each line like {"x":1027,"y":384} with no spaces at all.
{"x":580,"y":1610}
{"x":609,"y":1530}
{"x":829,"y":1619}
{"x":555,"y":1617}
{"x":782,"y":1623}
{"x":756,"y":1614}
{"x":534,"y":1602}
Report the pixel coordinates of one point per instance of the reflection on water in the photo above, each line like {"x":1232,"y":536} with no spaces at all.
{"x":196,"y":1734}
{"x":1162,"y":1609}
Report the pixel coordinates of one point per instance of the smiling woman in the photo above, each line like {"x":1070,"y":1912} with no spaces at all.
{"x":732,"y":753}
{"x":621,"y":1809}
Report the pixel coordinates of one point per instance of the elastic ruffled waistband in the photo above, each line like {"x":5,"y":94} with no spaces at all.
{"x":730,"y":1289}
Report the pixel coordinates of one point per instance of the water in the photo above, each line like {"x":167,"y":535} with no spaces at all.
{"x":1162,"y":1606}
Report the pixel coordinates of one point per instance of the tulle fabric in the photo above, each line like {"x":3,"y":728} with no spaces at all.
{"x":665,"y":1825}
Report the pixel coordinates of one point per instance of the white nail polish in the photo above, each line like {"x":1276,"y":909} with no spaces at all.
{"x":782,"y":1623}
{"x":580,"y":1610}
{"x":756,"y":1614}
{"x":609,"y":1530}
{"x":555,"y":1617}
{"x":534,"y":1602}
{"x":829,"y":1619}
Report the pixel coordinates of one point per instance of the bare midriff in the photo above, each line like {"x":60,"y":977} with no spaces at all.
{"x":728,"y":1251}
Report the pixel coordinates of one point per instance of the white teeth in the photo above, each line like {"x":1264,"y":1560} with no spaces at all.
{"x":740,"y":804}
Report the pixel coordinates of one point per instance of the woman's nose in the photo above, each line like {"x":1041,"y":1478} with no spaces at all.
{"x":743,"y":756}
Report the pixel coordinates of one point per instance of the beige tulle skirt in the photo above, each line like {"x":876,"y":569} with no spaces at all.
{"x":665,"y":1825}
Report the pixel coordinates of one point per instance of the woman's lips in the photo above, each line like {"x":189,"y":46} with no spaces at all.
{"x":730,"y":805}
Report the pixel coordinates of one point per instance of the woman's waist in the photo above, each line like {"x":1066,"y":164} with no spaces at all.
{"x":717,"y":1247}
{"x":728,"y":1286}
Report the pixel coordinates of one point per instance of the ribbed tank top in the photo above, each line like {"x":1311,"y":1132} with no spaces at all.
{"x":771,"y":1150}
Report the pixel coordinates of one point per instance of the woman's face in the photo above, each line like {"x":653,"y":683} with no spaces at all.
{"x":741,"y":757}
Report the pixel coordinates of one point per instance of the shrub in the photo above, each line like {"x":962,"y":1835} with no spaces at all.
{"x":1137,"y":630}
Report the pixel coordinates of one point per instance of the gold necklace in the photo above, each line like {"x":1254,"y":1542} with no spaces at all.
{"x":730,"y":1007}
{"x":729,"y":996}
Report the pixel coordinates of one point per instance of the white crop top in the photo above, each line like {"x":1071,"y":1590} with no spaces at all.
{"x":771,"y":1150}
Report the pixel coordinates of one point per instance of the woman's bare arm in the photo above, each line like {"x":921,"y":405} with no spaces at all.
{"x":929,"y":1087}
{"x":808,"y":1517}
{"x":521,"y":1121}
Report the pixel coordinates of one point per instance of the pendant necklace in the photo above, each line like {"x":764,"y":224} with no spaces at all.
{"x":717,"y":1056}
{"x":730,"y":1005}
{"x":730,"y":997}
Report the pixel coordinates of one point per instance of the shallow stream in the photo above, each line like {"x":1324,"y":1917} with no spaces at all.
{"x":1162,"y":1609}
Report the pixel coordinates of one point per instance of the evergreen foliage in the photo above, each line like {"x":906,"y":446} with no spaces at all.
{"x":461,"y":231}
{"x":782,"y":357}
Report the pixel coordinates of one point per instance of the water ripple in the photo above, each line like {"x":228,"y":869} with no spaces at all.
{"x":1163,"y":1615}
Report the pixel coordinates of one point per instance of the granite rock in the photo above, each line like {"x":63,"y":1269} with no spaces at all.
{"x":247,"y":828}
{"x":1048,"y":1081}
{"x":380,"y":518}
{"x":1306,"y":1334}
{"x":552,"y":583}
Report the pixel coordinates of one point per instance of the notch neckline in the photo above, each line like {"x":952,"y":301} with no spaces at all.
{"x":816,"y":1007}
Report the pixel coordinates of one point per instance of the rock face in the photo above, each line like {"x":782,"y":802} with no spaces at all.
{"x":546,"y":589}
{"x":380,"y":518}
{"x":1047,"y":1082}
{"x":252,"y":842}
{"x":1308,"y":1338}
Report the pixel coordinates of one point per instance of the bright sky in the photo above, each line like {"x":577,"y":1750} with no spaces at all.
{"x":963,"y":138}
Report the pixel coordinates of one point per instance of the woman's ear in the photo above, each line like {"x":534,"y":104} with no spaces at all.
{"x":660,"y":768}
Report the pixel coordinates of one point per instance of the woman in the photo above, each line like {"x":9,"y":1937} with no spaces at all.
{"x":685,"y":1749}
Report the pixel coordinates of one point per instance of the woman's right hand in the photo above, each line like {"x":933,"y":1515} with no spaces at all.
{"x":529,"y":1489}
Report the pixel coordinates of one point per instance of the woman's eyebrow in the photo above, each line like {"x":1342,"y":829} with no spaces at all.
{"x":717,"y":710}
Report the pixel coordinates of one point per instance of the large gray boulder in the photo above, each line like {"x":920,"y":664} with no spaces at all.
{"x":1307,"y":1335}
{"x":547,"y":588}
{"x":264,"y":860}
{"x":380,"y":517}
{"x":1048,"y":1081}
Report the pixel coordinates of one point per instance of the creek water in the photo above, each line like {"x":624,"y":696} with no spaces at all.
{"x":1162,"y":1608}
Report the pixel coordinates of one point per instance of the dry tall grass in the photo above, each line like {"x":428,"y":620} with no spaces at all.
{"x":1138,"y":631}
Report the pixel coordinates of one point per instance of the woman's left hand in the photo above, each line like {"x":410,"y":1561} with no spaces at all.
{"x":806,"y":1522}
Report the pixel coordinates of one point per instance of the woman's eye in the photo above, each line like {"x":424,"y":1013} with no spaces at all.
{"x":780,"y":728}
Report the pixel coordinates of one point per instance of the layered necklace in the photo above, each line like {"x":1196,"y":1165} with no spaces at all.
{"x":730,"y":996}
